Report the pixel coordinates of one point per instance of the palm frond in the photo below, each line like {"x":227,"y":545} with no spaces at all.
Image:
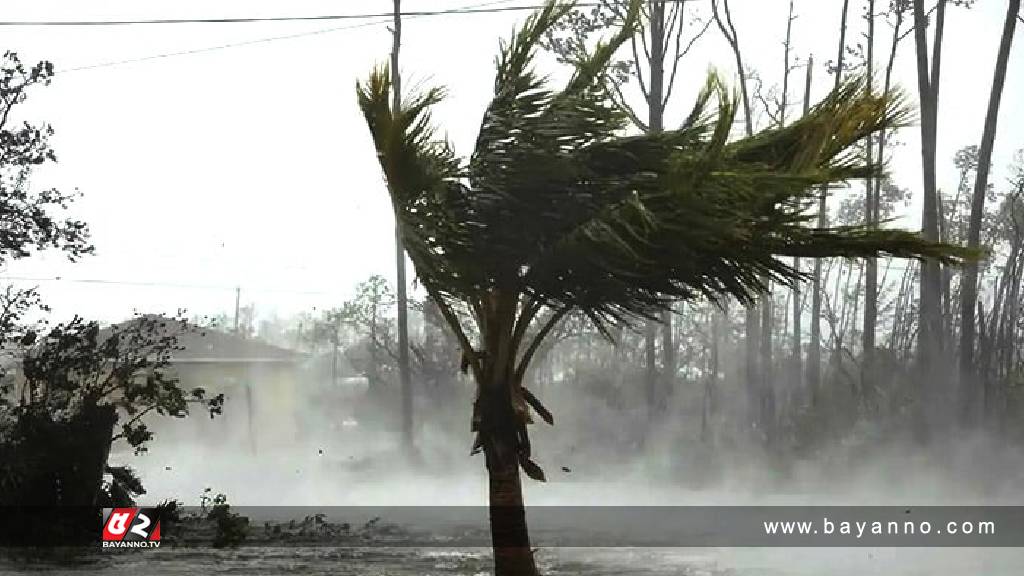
{"x":557,"y":204}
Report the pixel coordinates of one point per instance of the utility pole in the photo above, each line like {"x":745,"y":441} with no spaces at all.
{"x":238,"y":298}
{"x":402,"y":296}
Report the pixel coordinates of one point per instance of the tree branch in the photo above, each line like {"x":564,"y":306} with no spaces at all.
{"x":639,"y":74}
{"x":456,"y":326}
{"x":524,"y":362}
{"x":620,"y":101}
{"x":673,"y":25}
{"x":522,"y":323}
{"x":679,"y":56}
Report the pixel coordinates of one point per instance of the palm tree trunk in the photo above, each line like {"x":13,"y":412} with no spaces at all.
{"x":501,"y":432}
{"x":504,"y":440}
{"x":510,"y":538}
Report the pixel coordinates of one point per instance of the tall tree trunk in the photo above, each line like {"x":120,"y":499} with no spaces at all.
{"x":814,"y":350}
{"x":711,"y":378}
{"x":510,"y":537}
{"x":669,"y":361}
{"x":969,"y":290}
{"x":752,"y":328}
{"x":768,"y":392}
{"x":373,"y":374}
{"x":930,"y":329}
{"x":400,"y":280}
{"x":945,"y":273}
{"x":656,"y":123}
{"x":501,"y":434}
{"x":876,"y":199}
{"x":651,"y":371}
{"x":797,"y":299}
{"x":871,"y":266}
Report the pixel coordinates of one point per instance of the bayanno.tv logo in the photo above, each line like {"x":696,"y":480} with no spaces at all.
{"x":131,"y":528}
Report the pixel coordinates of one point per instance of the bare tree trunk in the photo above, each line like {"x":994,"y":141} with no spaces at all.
{"x":930,"y":329}
{"x":656,"y":123}
{"x":752,"y":328}
{"x":752,"y":337}
{"x":871,"y":271}
{"x":969,"y":290}
{"x":768,"y":392}
{"x":876,"y":198}
{"x":651,"y":371}
{"x":946,"y":275}
{"x":814,"y":350}
{"x":373,"y":374}
{"x":711,"y":378}
{"x":400,"y":280}
{"x":669,"y":361}
{"x":797,"y":296}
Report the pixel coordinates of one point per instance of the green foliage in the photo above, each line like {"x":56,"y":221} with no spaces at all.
{"x":557,"y":211}
{"x":82,"y":388}
{"x":77,"y":366}
{"x":231,"y":529}
{"x":122,"y":488}
{"x":557,"y":205}
{"x":29,"y":220}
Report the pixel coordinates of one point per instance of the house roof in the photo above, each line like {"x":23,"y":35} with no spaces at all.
{"x":209,"y":345}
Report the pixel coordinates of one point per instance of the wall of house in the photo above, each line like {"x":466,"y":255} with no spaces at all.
{"x":260,"y":408}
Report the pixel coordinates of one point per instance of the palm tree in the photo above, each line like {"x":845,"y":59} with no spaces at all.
{"x":558,"y":211}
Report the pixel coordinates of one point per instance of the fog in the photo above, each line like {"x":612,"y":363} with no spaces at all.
{"x":345,"y":461}
{"x":293,"y":316}
{"x":358,"y":460}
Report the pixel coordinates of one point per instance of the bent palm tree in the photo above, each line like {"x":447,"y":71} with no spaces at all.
{"x":557,"y":211}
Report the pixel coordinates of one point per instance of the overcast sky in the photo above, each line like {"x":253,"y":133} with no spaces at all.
{"x":251,"y":166}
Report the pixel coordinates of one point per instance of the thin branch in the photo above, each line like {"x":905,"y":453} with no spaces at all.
{"x":524,"y":362}
{"x":456,"y":326}
{"x":693,"y":40}
{"x":615,"y":8}
{"x":729,"y":31}
{"x":940,"y":27}
{"x":620,"y":101}
{"x":674,"y":24}
{"x":679,"y":56}
{"x":9,"y":104}
{"x":642,"y":33}
{"x":639,"y":73}
{"x":522,"y":323}
{"x":128,"y":424}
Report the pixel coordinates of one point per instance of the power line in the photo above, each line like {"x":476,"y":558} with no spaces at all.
{"x":250,"y":42}
{"x":214,"y":48}
{"x":248,"y":20}
{"x":105,"y":282}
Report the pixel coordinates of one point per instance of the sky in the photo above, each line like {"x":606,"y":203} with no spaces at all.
{"x":250,"y":165}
